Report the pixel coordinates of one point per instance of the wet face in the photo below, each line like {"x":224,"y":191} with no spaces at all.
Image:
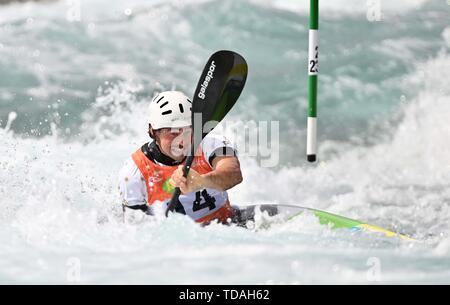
{"x":173,"y":142}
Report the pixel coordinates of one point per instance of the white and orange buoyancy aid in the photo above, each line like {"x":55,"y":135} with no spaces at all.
{"x":203,"y":206}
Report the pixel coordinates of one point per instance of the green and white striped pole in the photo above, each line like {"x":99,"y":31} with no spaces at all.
{"x":313,"y":62}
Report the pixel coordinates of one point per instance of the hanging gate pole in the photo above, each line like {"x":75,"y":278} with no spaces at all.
{"x":313,"y":62}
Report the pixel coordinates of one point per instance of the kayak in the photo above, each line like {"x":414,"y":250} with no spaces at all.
{"x":289,"y":212}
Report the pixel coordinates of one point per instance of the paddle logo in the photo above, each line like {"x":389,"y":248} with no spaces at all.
{"x":208,"y":78}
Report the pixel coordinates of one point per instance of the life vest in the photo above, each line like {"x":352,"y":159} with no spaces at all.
{"x":203,"y":206}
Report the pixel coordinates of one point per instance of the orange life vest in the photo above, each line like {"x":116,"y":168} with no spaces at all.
{"x":156,"y":178}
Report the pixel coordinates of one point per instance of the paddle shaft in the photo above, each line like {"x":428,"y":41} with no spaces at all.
{"x":177,"y":192}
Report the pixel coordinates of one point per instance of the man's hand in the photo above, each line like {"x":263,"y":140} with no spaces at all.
{"x":192,"y":183}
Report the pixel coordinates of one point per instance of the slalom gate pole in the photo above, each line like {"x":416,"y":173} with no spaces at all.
{"x":313,"y":62}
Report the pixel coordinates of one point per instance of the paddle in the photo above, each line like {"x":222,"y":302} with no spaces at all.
{"x":218,"y":89}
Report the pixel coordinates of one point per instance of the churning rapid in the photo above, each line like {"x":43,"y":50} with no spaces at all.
{"x":75,"y":82}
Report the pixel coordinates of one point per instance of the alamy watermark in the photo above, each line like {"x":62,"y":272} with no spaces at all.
{"x":73,"y":13}
{"x":374,"y":272}
{"x":249,"y":139}
{"x":374,"y":10}
{"x":73,"y":274}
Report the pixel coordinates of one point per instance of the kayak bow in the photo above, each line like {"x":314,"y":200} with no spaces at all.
{"x":290,"y":212}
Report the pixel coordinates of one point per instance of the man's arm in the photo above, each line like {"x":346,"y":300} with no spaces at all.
{"x":226,"y":174}
{"x":133,"y":192}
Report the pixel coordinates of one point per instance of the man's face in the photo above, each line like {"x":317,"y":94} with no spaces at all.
{"x":174,"y":142}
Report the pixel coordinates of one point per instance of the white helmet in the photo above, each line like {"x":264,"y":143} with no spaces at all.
{"x":170,"y":109}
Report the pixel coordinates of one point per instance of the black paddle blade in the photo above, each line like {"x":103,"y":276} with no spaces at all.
{"x":218,"y":89}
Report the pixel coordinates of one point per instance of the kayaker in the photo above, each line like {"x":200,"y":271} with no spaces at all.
{"x":150,"y":175}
